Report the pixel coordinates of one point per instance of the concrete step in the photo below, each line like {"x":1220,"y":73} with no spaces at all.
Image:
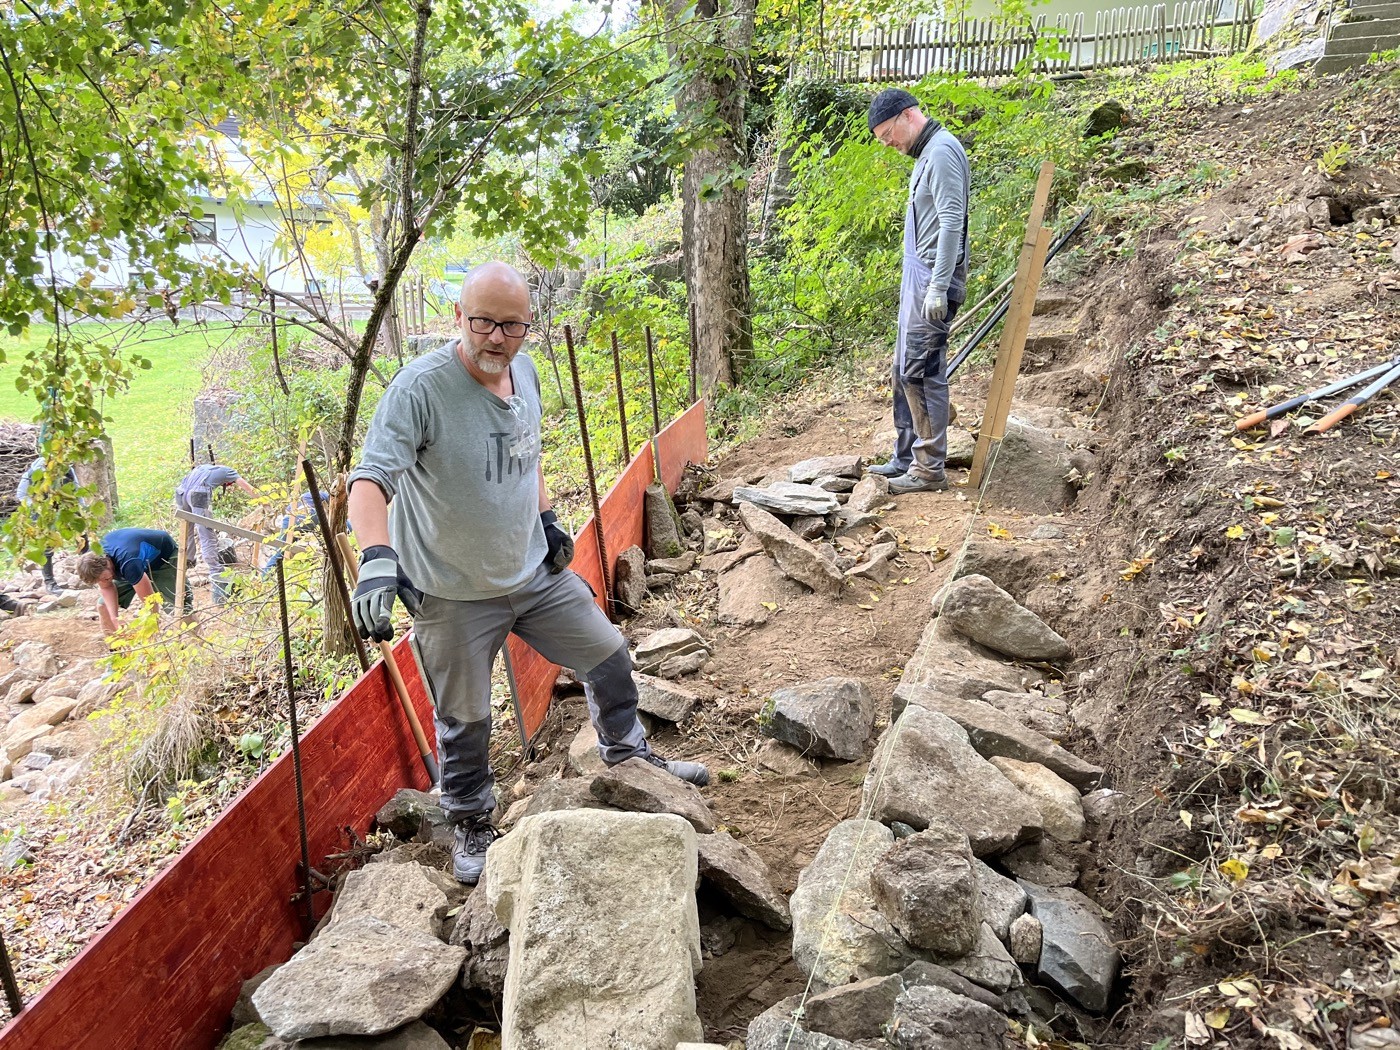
{"x":1367,"y":29}
{"x":1362,"y":46}
{"x":1388,"y":9}
{"x":1338,"y":63}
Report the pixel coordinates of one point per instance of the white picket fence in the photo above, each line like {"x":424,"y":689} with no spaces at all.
{"x":1122,"y":36}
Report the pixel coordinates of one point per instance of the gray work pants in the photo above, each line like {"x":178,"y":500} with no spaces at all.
{"x":197,"y":501}
{"x":457,"y":646}
{"x":922,"y":378}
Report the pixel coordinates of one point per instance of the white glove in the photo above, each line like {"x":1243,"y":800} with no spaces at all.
{"x":935,"y":304}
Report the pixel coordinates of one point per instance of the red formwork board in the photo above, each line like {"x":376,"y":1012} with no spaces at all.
{"x":166,"y":971}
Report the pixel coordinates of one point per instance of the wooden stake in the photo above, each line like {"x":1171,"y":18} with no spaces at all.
{"x":1034,"y":247}
{"x":181,"y":546}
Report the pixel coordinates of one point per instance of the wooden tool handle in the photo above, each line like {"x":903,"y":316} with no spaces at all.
{"x":1252,"y":420}
{"x":1332,"y":418}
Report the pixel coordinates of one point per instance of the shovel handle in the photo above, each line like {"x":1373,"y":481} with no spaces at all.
{"x":391,"y":668}
{"x":1252,"y":420}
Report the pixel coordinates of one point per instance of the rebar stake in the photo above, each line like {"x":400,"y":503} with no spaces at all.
{"x":588,"y":467}
{"x":694,"y":355}
{"x":333,"y":553}
{"x":7,"y":978}
{"x":621,"y":401}
{"x":309,"y":918}
{"x":655,"y":408}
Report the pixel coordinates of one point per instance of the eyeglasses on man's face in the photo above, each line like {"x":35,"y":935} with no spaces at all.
{"x":510,"y":329}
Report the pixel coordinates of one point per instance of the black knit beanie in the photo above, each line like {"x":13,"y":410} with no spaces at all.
{"x":889,"y":103}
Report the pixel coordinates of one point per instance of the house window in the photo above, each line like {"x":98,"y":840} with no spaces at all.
{"x":313,"y":287}
{"x":204,"y":231}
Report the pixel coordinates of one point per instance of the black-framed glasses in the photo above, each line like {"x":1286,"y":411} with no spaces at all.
{"x":510,"y":329}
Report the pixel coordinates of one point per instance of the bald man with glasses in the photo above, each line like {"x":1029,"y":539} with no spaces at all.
{"x":450,"y":502}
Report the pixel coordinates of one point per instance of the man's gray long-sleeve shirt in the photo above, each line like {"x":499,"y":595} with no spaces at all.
{"x":460,"y":467}
{"x":939,"y":188}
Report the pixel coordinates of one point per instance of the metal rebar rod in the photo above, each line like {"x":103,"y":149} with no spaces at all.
{"x":333,"y":554}
{"x":651,"y":376}
{"x":309,"y":916}
{"x":621,"y":400}
{"x":588,"y":467}
{"x":7,"y":978}
{"x":694,"y":356}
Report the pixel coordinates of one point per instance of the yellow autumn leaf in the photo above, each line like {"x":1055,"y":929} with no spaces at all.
{"x":770,"y":606}
{"x":1236,"y":869}
{"x":996,"y":532}
{"x":1235,"y":532}
{"x":1247,"y":717}
{"x":1218,"y":1019}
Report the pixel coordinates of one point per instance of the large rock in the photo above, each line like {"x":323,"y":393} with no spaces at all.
{"x":978,"y":608}
{"x":995,"y":734}
{"x":37,"y":658}
{"x":663,"y":526}
{"x":838,"y":934}
{"x":671,"y":652}
{"x":870,"y":492}
{"x":948,"y":662}
{"x":409,"y":811}
{"x":726,"y":560}
{"x":926,"y":887}
{"x":1048,"y":862}
{"x":925,"y":773}
{"x":854,"y":1011}
{"x":924,"y":973}
{"x":1077,"y":955}
{"x":827,"y":466}
{"x":831,"y":717}
{"x":961,"y":447}
{"x":400,"y":894}
{"x":604,"y":933}
{"x":1035,"y":471}
{"x":671,"y":566}
{"x":1047,"y":715}
{"x":50,"y":712}
{"x":784,"y":497}
{"x":630,"y":580}
{"x":663,"y":699}
{"x":741,"y":877}
{"x":1003,"y":900}
{"x":928,"y":1017}
{"x":555,"y":796}
{"x":360,"y":977}
{"x":17,"y":744}
{"x":584,"y":758}
{"x":988,"y":963}
{"x":752,"y":591}
{"x":1060,"y":809}
{"x":69,"y":683}
{"x":641,"y":787}
{"x":778,"y":1029}
{"x":21,"y":691}
{"x":94,"y":696}
{"x":487,"y":943}
{"x":795,"y":556}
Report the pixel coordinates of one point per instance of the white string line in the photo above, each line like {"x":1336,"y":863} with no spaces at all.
{"x":885,"y":763}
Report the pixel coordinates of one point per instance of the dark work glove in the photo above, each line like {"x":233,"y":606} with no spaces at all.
{"x":381,"y":579}
{"x":561,"y":544}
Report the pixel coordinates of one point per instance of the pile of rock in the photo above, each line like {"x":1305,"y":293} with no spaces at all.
{"x":920,"y":920}
{"x":812,"y":527}
{"x":673,"y":540}
{"x":45,"y":739}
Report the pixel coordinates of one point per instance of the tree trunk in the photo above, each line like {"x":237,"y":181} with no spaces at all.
{"x":714,"y":241}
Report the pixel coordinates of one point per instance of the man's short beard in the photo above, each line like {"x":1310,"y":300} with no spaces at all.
{"x":488,"y":365}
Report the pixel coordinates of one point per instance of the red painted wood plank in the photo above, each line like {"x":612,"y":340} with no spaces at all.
{"x":166,"y":971}
{"x":682,"y":442}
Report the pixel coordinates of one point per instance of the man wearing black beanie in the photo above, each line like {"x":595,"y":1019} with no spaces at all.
{"x":933,"y":286}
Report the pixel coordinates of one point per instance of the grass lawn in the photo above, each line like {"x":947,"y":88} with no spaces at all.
{"x":149,"y":424}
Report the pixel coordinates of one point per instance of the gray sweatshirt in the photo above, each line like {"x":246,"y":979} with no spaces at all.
{"x":939,"y":189}
{"x":460,"y":469}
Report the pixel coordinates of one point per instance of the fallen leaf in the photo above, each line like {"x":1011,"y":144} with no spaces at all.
{"x":1236,"y":869}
